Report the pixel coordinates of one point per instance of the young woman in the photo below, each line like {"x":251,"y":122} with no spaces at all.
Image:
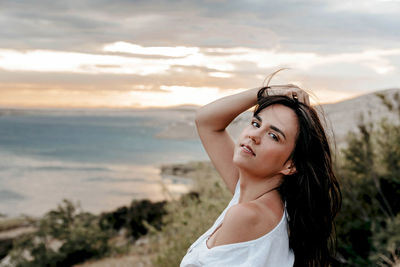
{"x":285,"y":194}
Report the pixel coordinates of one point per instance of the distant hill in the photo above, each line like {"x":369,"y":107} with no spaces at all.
{"x":346,"y":115}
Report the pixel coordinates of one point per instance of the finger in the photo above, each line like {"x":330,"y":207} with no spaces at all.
{"x":295,"y":96}
{"x":305,"y":99}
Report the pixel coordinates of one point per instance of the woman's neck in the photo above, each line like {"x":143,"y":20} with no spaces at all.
{"x":252,"y":188}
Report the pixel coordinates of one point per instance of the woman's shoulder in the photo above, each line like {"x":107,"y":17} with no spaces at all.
{"x":255,"y":214}
{"x":243,"y":214}
{"x":248,"y":221}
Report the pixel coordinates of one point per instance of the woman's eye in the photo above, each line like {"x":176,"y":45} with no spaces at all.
{"x":274,"y":136}
{"x":255,"y":124}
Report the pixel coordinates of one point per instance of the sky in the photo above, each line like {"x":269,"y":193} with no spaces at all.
{"x":123,"y":54}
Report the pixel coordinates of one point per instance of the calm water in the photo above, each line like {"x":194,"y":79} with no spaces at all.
{"x":103,"y":159}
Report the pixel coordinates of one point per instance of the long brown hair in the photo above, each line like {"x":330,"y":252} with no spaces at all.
{"x":312,"y":194}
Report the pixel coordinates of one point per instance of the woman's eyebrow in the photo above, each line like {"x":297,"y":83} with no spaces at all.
{"x":271,"y":126}
{"x":278,"y":130}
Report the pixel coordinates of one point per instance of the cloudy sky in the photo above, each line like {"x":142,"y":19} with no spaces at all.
{"x":125,"y":53}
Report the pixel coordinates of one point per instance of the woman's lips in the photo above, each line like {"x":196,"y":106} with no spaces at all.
{"x":247,"y":149}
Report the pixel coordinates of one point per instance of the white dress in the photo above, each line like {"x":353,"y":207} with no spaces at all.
{"x":271,"y":249}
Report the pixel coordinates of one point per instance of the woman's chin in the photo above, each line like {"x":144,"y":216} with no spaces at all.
{"x":241,"y":157}
{"x":242,"y":163}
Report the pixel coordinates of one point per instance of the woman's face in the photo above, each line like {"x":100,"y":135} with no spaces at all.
{"x":267,"y":142}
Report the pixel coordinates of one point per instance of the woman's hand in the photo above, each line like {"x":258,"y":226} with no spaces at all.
{"x":290,"y":90}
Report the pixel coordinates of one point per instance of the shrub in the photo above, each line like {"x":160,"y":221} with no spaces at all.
{"x":368,"y":224}
{"x":135,"y":217}
{"x":65,"y":236}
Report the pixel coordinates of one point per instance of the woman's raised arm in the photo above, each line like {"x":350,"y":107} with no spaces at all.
{"x":212,"y":120}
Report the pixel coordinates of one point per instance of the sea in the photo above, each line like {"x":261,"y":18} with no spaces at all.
{"x":99,"y":159}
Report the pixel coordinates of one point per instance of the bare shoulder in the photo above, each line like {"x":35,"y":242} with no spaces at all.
{"x":245,"y":222}
{"x":245,"y":214}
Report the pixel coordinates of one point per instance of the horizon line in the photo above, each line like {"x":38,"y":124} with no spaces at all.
{"x":77,"y":107}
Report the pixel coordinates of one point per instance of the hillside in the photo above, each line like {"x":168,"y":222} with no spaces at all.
{"x":345,"y":116}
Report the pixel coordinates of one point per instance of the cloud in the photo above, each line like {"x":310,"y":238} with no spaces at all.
{"x":80,"y":26}
{"x":124,"y":47}
{"x":77,"y":48}
{"x":219,"y":62}
{"x":55,"y":61}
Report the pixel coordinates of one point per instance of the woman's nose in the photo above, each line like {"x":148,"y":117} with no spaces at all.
{"x":255,"y":137}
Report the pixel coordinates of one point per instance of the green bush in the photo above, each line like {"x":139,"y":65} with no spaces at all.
{"x":65,"y":236}
{"x":135,"y":218}
{"x":68,"y":235}
{"x":368,"y":225}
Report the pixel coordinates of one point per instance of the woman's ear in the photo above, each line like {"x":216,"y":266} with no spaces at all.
{"x":289,"y":168}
